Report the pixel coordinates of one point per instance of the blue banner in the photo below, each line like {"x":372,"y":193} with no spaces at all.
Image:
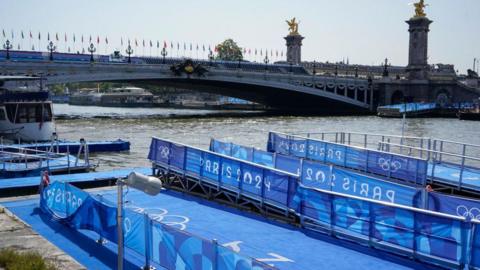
{"x":167,"y":246}
{"x":409,"y":169}
{"x":317,"y":175}
{"x":422,"y":232}
{"x":454,"y":205}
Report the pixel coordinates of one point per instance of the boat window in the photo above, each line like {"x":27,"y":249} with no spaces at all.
{"x":22,"y":116}
{"x":11,"y":108}
{"x":2,"y":114}
{"x":47,"y":112}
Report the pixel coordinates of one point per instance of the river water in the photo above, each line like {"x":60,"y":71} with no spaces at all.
{"x":195,"y":127}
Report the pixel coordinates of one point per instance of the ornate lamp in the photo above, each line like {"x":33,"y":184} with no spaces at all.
{"x":129,"y":51}
{"x":91,"y":49}
{"x":51,"y":48}
{"x":8,"y":46}
{"x":163,"y":53}
{"x":266,"y":60}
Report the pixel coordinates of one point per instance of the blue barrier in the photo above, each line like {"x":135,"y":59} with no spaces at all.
{"x":428,"y":236}
{"x":317,"y":175}
{"x":425,"y":235}
{"x":169,"y":247}
{"x":408,"y":169}
{"x":232,"y":173}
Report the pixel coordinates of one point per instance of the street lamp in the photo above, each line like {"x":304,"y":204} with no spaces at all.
{"x":356,"y":71}
{"x":129,"y":51}
{"x":164,"y":53}
{"x":336,"y":70}
{"x":8,"y":46}
{"x":91,"y":49}
{"x":314,"y":68}
{"x":148,"y":184}
{"x":210,"y":57}
{"x":51,"y":48}
{"x":266,"y":60}
{"x":385,"y":68}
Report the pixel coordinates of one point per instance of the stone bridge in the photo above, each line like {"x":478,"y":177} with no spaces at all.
{"x":271,"y":85}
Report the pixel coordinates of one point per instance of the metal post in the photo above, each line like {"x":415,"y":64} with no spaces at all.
{"x":463,"y":167}
{"x":441,"y":152}
{"x":120,"y":224}
{"x":147,"y":228}
{"x":215,"y":262}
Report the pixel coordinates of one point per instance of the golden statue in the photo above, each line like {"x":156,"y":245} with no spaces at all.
{"x":293,"y":26}
{"x":419,"y":9}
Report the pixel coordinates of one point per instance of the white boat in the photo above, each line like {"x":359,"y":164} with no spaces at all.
{"x":26,"y":114}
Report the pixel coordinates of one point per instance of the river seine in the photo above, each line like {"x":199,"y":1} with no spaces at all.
{"x":196,"y":127}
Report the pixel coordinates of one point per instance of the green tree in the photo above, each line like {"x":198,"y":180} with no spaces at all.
{"x":229,"y":51}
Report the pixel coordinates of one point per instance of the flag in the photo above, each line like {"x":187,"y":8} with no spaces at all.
{"x":82,"y":38}
{"x":106,"y":40}
{"x":48,"y":36}
{"x":65,"y":37}
{"x":121,"y":41}
{"x":74,"y":38}
{"x":31,"y":36}
{"x":143,"y":43}
{"x":277,"y":53}
{"x":44,"y":181}
{"x":255,"y":52}
{"x":98,"y":39}
{"x":203,"y":47}
{"x":164,"y":44}
{"x":136,"y":43}
{"x":22,"y":34}
{"x":261,"y":52}
{"x":90,"y":40}
{"x":197,"y":47}
{"x":56,"y":36}
{"x":184,"y":46}
{"x":249,"y":52}
{"x":191,"y":46}
{"x":158,"y":44}
{"x":151,"y":44}
{"x":3,"y":32}
{"x":178,"y":46}
{"x":13,"y":36}
{"x":171,"y":45}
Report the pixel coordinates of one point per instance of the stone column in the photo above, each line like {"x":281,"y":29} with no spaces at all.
{"x":294,"y":49}
{"x":418,"y":48}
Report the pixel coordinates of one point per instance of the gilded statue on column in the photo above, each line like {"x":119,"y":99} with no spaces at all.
{"x":293,"y":26}
{"x":420,"y":9}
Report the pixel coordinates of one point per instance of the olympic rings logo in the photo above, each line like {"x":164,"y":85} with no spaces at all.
{"x":164,"y":151}
{"x":159,"y":215}
{"x":472,"y":213}
{"x":388,"y":165}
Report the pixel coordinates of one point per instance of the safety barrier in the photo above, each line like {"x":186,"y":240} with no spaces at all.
{"x":424,"y":235}
{"x":327,"y":177}
{"x":164,"y":245}
{"x":408,"y":169}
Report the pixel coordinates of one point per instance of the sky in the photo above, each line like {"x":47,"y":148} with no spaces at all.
{"x":362,"y":31}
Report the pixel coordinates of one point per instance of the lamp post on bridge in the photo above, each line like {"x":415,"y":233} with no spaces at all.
{"x":51,"y":48}
{"x":314,"y":68}
{"x":266,"y":61}
{"x":91,"y":49}
{"x":129,"y":51}
{"x":163,"y":53}
{"x":210,"y":57}
{"x":336,"y":70}
{"x":356,"y":71}
{"x":7,"y":46}
{"x":385,"y":68}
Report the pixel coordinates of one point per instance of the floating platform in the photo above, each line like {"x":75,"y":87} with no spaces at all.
{"x":409,"y":109}
{"x":29,"y":185}
{"x":73,"y":146}
{"x":281,"y":245}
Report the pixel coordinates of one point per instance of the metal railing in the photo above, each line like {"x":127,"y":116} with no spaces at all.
{"x":463,"y":156}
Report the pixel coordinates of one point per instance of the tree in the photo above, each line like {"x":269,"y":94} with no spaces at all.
{"x":229,"y":51}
